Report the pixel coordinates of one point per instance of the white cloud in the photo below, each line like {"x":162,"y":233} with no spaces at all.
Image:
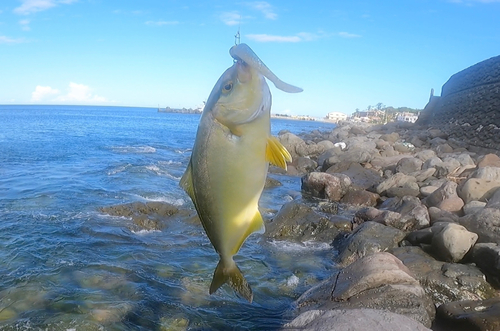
{"x":8,"y":40}
{"x":25,"y":25}
{"x":80,"y":93}
{"x":265,"y":8}
{"x":230,"y":18}
{"x":32,"y":6}
{"x":348,"y":35}
{"x":76,"y":93}
{"x":161,"y":23}
{"x":43,"y":92}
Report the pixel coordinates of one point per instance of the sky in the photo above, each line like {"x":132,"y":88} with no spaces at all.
{"x":346,"y":55}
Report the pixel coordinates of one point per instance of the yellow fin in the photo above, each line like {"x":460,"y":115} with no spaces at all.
{"x":186,"y":181}
{"x":231,"y":275}
{"x":276,"y":153}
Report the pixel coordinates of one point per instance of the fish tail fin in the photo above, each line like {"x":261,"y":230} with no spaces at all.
{"x":231,"y":275}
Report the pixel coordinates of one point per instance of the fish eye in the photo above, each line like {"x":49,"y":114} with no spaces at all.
{"x":228,"y":87}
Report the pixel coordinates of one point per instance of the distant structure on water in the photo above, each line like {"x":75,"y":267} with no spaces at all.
{"x":197,"y":110}
{"x":336,"y":117}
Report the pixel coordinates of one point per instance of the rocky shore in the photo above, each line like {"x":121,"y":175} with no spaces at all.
{"x":413,"y":214}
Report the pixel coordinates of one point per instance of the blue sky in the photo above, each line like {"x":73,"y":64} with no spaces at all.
{"x":344,"y":54}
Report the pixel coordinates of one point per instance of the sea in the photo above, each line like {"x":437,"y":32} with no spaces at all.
{"x":64,"y":265}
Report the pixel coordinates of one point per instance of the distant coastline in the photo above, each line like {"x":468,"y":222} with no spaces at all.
{"x":198,"y":110}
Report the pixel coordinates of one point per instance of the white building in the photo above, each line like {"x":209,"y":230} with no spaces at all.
{"x":336,"y":117}
{"x":407,"y":117}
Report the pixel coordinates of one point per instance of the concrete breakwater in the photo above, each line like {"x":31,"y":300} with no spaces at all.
{"x":469,"y":106}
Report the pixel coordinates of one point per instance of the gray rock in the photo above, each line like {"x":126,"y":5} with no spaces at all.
{"x":438,"y":215}
{"x":426,"y":154}
{"x":486,"y":223}
{"x":479,"y":189}
{"x":304,"y":164}
{"x":377,"y":281}
{"x":390,"y":137}
{"x":488,"y":173}
{"x":326,"y":144}
{"x":473,"y":207}
{"x":423,"y":175}
{"x":326,"y":186}
{"x":353,"y":320}
{"x":399,"y":185}
{"x":428,"y":190}
{"x":452,"y":242}
{"x":444,"y":282}
{"x":409,"y":165}
{"x":291,"y":142}
{"x":488,"y":160}
{"x":361,"y":176}
{"x":494,"y":201}
{"x":414,"y":214}
{"x":368,"y":238}
{"x":479,"y":315}
{"x":403,"y":147}
{"x":487,"y":257}
{"x":299,"y":222}
{"x":360,"y":197}
{"x":445,"y":198}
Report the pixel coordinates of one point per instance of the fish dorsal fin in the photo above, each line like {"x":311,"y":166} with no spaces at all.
{"x":276,"y":153}
{"x":186,"y":182}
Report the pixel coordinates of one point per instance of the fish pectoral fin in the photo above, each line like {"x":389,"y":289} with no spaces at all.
{"x":276,"y":153}
{"x":230,"y":273}
{"x":186,"y":181}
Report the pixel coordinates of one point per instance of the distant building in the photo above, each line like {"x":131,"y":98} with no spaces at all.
{"x":407,"y":117}
{"x":336,"y":117}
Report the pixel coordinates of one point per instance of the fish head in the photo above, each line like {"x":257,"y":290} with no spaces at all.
{"x":240,"y":96}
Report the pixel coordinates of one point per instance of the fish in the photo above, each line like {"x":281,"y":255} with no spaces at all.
{"x":227,"y":170}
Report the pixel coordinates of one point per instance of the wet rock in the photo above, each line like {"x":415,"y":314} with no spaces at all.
{"x":487,"y":257}
{"x":473,"y":207}
{"x":452,"y":242}
{"x":488,"y":160}
{"x":377,"y":281}
{"x":326,"y":186}
{"x":353,"y":320}
{"x":445,"y":198}
{"x":272,"y":182}
{"x":305,"y":164}
{"x":360,"y":176}
{"x":409,"y":165}
{"x":480,"y":315}
{"x":151,"y":215}
{"x":299,"y":222}
{"x":360,"y":197}
{"x":444,"y":282}
{"x":414,"y":214}
{"x":486,"y":223}
{"x":368,"y":238}
{"x":399,"y":185}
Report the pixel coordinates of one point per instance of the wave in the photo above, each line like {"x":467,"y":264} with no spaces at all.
{"x":297,"y":247}
{"x":159,"y":198}
{"x":134,"y":149}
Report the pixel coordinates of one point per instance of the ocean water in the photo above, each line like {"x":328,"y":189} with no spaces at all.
{"x":66,"y":266}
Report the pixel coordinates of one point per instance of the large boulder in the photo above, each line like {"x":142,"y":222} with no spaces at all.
{"x":445,"y":198}
{"x":378,"y":281}
{"x":399,"y":185}
{"x":368,"y":238}
{"x":487,"y":257}
{"x":414,"y":214}
{"x":452,"y":242}
{"x":353,"y":320}
{"x":298,"y":222}
{"x":326,"y":186}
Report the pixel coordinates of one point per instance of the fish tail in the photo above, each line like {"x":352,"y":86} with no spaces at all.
{"x":228,"y":272}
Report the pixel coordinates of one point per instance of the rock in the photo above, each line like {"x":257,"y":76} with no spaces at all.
{"x":409,"y":165}
{"x":360,"y":197}
{"x":487,"y":257}
{"x":443,"y":149}
{"x":452,"y":242}
{"x":479,"y":315}
{"x":368,"y":238}
{"x":390,"y":137}
{"x":439,"y":215}
{"x":305,"y":164}
{"x":299,"y":222}
{"x":494,"y":201}
{"x":291,"y":142}
{"x":423,"y":175}
{"x":442,"y":281}
{"x":445,"y":198}
{"x":425,"y":154}
{"x":486,"y":223}
{"x":488,"y":160}
{"x":309,"y":149}
{"x":399,"y":185}
{"x":403,"y":147}
{"x":358,"y":154}
{"x":378,"y":281}
{"x":326,"y":144}
{"x":326,"y":186}
{"x":473,"y":207}
{"x":361,"y":176}
{"x":413,"y":214}
{"x":428,"y":190}
{"x":272,"y":182}
{"x":488,"y":173}
{"x":151,"y":215}
{"x":353,"y":320}
{"x":479,"y":189}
